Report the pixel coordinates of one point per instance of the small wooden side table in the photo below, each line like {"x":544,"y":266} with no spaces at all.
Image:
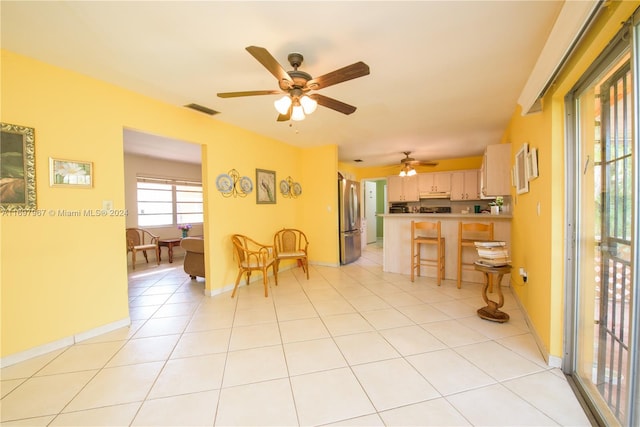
{"x":169,"y":243}
{"x":491,"y":311}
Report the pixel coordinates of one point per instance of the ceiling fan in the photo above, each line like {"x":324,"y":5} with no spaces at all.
{"x":296,"y":85}
{"x":408,"y":164}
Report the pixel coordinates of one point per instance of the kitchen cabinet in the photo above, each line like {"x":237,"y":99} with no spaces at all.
{"x":402,"y":188}
{"x":465,"y":185}
{"x":496,"y":171}
{"x":435,"y":182}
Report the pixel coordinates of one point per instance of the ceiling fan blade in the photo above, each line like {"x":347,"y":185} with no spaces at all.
{"x":349,"y":72}
{"x":269,"y":62}
{"x":248,"y":93}
{"x":410,"y":161}
{"x":420,"y":163}
{"x":334,"y":104}
{"x":413,"y":162}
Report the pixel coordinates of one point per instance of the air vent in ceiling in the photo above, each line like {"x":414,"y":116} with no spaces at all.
{"x":202,"y":109}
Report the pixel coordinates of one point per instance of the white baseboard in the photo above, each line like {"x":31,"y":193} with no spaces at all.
{"x":229,"y":288}
{"x":219,"y":291}
{"x":100,"y":330}
{"x":12,"y":359}
{"x":325,"y":264}
{"x":552,"y":361}
{"x":555,"y":361}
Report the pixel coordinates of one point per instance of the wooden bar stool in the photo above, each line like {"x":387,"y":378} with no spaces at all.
{"x":430,"y":235}
{"x":468,"y":233}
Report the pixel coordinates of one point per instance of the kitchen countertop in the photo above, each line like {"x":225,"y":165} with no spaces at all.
{"x":479,"y":216}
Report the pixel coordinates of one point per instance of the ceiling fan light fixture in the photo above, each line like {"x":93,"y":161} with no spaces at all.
{"x":309,"y":105}
{"x":407,"y":170}
{"x":297,"y":113}
{"x":282,"y":105}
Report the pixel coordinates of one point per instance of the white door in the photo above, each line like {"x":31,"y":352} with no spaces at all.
{"x":370,"y":202}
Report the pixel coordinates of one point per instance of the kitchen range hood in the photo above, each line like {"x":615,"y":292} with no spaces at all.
{"x":436,"y":195}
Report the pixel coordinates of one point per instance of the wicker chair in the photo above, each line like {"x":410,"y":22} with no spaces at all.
{"x":141,"y":240}
{"x":251,"y":256}
{"x":290,"y":243}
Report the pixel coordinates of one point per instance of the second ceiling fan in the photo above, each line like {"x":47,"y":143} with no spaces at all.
{"x":408,"y":164}
{"x":296,"y":85}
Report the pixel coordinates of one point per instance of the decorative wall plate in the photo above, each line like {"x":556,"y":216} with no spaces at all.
{"x":284,"y":187}
{"x":246,"y":185}
{"x":297,"y":189}
{"x":224,"y":183}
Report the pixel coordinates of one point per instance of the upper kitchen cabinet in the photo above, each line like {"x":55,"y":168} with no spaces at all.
{"x":436,"y":182}
{"x":402,"y":188}
{"x":496,"y":171}
{"x":465,"y":185}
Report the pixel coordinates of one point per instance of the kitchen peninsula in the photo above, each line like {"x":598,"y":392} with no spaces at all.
{"x":397,"y":246}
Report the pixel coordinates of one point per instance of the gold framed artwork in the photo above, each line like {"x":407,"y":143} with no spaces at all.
{"x":17,"y":168}
{"x":265,"y":186}
{"x":70,"y":173}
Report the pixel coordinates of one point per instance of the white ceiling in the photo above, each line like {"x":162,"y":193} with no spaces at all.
{"x":445,"y":75}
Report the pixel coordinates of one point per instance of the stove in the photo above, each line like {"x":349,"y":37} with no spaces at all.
{"x":435,"y":209}
{"x":399,"y":208}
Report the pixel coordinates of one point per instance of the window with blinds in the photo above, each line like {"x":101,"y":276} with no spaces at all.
{"x":168,"y":202}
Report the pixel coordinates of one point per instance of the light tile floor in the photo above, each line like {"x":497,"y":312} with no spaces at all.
{"x":350,"y":346}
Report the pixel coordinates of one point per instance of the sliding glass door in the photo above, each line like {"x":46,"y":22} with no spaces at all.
{"x":602,"y":351}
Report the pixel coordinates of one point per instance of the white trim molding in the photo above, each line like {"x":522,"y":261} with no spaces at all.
{"x":572,"y":22}
{"x":12,"y":359}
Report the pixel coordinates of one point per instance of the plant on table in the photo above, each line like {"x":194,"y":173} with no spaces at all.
{"x":499,"y":201}
{"x":185,"y":229}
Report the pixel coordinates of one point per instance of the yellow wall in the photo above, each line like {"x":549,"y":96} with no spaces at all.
{"x":318,"y":213}
{"x":63,"y":276}
{"x":538,"y":240}
{"x":530,"y":234}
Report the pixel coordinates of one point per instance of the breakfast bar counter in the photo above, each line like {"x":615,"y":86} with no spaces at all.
{"x":397,"y":242}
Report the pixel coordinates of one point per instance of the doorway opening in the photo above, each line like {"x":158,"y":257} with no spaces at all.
{"x":163,"y":193}
{"x":375,"y":203}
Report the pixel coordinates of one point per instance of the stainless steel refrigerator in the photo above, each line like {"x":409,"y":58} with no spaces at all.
{"x":349,"y":208}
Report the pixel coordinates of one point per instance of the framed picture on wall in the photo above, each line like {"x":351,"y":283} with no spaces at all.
{"x":532,"y":164}
{"x":522,"y":180}
{"x":70,"y":173}
{"x":17,"y":168}
{"x":265,"y":186}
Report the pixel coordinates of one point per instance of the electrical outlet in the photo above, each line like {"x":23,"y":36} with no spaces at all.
{"x":107,"y":205}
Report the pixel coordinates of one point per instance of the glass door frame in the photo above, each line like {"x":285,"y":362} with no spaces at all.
{"x":628,"y":39}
